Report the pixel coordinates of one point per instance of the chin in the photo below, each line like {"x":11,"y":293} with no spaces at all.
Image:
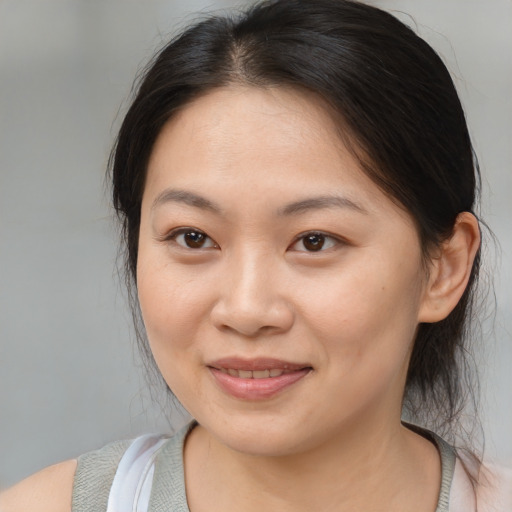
{"x":264,"y":435}
{"x":262,"y":444}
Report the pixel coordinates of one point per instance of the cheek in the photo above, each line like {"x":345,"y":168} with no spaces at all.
{"x":366,"y":326}
{"x":373,"y":309}
{"x":172,"y":305}
{"x":171,"y":310}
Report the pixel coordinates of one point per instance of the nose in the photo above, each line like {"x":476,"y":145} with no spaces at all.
{"x":251,"y":302}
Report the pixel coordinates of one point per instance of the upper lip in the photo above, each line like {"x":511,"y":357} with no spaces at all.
{"x":258,"y":364}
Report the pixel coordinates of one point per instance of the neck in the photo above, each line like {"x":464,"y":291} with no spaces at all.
{"x":400,"y":467}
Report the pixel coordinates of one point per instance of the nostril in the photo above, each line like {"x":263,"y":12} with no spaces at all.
{"x":249,"y":331}
{"x":252,"y":322}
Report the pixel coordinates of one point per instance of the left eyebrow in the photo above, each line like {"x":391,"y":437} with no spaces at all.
{"x":319,"y":203}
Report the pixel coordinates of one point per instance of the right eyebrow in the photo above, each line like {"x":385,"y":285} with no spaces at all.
{"x":185,"y":197}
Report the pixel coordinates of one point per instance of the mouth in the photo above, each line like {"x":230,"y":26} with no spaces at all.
{"x":256,"y":379}
{"x":255,"y":374}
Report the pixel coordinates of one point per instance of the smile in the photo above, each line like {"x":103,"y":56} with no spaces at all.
{"x":256,"y":374}
{"x":257,"y":379}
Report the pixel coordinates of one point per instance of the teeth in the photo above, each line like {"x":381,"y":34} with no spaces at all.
{"x":256,"y":374}
{"x":264,"y":374}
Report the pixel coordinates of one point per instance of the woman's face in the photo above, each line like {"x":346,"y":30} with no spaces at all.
{"x":280,"y":288}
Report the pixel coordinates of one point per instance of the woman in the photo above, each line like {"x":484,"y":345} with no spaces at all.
{"x":297,"y":192}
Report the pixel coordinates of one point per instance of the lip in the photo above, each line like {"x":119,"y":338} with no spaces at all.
{"x":261,"y":363}
{"x":256,"y":388}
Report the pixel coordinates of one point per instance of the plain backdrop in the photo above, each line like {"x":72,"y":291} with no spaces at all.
{"x":70,"y":377}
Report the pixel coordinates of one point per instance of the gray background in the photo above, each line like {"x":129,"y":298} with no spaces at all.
{"x":70,"y":379}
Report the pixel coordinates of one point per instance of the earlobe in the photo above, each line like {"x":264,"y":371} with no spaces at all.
{"x":450,"y":270}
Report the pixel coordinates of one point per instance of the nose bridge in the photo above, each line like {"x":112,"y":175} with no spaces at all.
{"x":250,"y":286}
{"x":251,"y":299}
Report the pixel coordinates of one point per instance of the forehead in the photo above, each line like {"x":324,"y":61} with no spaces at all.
{"x":249,"y":118}
{"x":262,"y":140}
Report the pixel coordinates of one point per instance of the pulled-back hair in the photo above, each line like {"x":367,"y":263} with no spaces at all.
{"x":397,"y":110}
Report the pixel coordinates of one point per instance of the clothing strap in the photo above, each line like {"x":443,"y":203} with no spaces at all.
{"x":448,"y":463}
{"x":139,"y":487}
{"x":131,"y":487}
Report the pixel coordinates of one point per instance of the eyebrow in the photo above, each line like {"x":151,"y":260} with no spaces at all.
{"x":185,"y":197}
{"x":321,"y":202}
{"x":295,"y":208}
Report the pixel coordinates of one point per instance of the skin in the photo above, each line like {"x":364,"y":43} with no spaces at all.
{"x":350,"y":312}
{"x":49,"y":490}
{"x":245,"y":167}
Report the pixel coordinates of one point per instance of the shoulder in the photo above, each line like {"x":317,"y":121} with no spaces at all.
{"x":495,"y":488}
{"x":78,"y":485}
{"x":87,"y":484}
{"x":490,"y":491}
{"x":49,"y":490}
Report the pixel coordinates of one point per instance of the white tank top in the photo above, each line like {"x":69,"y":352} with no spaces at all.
{"x":131,"y":487}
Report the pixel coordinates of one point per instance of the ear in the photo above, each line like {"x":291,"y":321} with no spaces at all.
{"x":450,"y":269}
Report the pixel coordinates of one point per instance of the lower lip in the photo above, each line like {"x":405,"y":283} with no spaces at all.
{"x":257,"y":389}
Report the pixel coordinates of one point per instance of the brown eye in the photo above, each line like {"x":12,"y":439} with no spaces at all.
{"x":194,"y":239}
{"x":313,"y":242}
{"x":190,"y":238}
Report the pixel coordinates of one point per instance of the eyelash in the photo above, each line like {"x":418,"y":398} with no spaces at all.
{"x":331,"y":240}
